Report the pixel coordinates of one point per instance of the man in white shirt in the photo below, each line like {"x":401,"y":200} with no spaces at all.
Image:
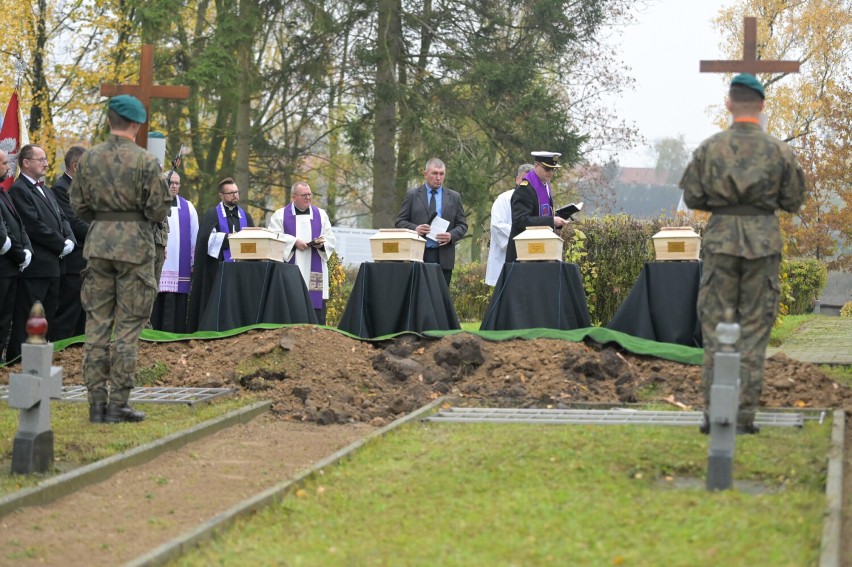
{"x":309,"y":242}
{"x":501,"y":226}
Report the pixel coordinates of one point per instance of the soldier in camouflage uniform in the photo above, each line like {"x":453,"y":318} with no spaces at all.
{"x":161,"y":240}
{"x":119,"y":189}
{"x":742,"y":176}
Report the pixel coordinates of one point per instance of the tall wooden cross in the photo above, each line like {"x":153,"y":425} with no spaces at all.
{"x":146,"y":90}
{"x":749,"y":63}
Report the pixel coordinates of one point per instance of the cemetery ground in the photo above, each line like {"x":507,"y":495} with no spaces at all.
{"x":328,"y":390}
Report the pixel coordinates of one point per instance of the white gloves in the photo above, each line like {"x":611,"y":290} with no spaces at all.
{"x":69,"y":246}
{"x":28,"y":256}
{"x":6,"y":246}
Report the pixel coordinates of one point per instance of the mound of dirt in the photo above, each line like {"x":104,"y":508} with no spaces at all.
{"x":317,"y":375}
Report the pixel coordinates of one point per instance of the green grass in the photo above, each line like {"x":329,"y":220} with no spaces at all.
{"x":841,"y":374}
{"x":544,"y":495}
{"x":470,"y":325}
{"x":787,"y":326}
{"x":78,"y":442}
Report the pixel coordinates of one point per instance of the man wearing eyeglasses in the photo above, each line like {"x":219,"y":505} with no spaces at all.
{"x":309,"y":242}
{"x":52,"y":239}
{"x":212,"y":246}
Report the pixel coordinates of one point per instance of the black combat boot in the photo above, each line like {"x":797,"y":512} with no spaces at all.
{"x":120,"y":413}
{"x":747,"y":429}
{"x":97,"y":412}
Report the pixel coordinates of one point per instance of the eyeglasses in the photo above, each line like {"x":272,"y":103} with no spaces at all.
{"x":229,"y":193}
{"x":306,"y":195}
{"x":42,"y":160}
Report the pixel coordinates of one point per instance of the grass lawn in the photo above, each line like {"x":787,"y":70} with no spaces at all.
{"x":492,"y":494}
{"x":78,"y":442}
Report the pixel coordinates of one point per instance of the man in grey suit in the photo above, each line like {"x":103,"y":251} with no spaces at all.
{"x":420,"y":207}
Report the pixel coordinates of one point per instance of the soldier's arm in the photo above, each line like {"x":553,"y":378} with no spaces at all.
{"x":158,"y":201}
{"x":78,"y":203}
{"x":693,"y":190}
{"x":793,"y":188}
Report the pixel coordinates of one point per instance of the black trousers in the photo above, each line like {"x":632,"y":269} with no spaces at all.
{"x":431,"y":256}
{"x":8,"y":291}
{"x":70,"y":317}
{"x":31,"y":290}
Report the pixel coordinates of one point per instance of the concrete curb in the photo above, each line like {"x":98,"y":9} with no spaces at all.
{"x":184,"y":543}
{"x":833,"y":521}
{"x":64,"y":484}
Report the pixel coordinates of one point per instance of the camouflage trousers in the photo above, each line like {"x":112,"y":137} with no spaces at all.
{"x":752,"y":288}
{"x":117,"y":297}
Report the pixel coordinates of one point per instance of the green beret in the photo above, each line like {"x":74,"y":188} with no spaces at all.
{"x":128,"y":107}
{"x":749,"y":81}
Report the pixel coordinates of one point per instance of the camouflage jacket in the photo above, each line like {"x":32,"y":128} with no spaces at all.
{"x":743,"y":166}
{"x":119,"y":177}
{"x":161,"y":231}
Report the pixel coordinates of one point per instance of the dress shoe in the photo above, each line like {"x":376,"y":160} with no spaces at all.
{"x":120,"y":413}
{"x":97,"y":412}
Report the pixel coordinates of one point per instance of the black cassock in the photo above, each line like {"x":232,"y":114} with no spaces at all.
{"x":204,"y":270}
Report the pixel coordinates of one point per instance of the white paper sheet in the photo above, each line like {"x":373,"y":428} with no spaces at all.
{"x":214,"y":245}
{"x":438,"y":226}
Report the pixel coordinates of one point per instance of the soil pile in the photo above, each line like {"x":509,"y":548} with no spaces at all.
{"x":317,"y":375}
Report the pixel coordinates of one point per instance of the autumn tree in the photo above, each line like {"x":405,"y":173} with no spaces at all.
{"x":672,"y":155}
{"x":806,"y":109}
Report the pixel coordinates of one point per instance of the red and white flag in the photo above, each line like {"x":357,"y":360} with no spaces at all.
{"x":13,"y":136}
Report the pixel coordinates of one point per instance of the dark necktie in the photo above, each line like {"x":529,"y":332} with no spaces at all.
{"x":40,"y":187}
{"x":433,"y":206}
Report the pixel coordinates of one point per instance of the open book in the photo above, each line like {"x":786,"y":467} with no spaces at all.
{"x":568,"y":210}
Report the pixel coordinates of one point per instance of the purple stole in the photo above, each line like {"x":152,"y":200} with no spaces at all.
{"x":545,"y":202}
{"x":223,"y":225}
{"x":315,"y":279}
{"x":185,"y":254}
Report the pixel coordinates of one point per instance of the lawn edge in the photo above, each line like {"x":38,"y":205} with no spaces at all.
{"x":61,"y":485}
{"x":833,"y":521}
{"x":187,"y":541}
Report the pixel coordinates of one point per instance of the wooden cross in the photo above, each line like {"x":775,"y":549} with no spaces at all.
{"x":749,"y":63}
{"x":146,"y":90}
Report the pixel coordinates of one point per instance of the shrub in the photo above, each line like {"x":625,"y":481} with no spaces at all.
{"x":801,"y":283}
{"x":469,"y":292}
{"x":340,"y":283}
{"x":846,"y":310}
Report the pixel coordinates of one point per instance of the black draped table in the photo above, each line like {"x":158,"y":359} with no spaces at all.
{"x":662,"y":304}
{"x":532,"y":295}
{"x":391,"y":297}
{"x":248,"y":293}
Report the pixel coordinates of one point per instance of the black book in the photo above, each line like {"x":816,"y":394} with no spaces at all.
{"x":568,"y":210}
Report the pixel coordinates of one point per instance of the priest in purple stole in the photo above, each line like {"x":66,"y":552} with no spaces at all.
{"x":212,"y":246}
{"x":309,"y":242}
{"x":532,"y":202}
{"x":170,"y":306}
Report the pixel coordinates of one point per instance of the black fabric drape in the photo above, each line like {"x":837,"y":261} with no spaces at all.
{"x":662,"y":304}
{"x":391,"y":297}
{"x":532,"y":295}
{"x":247,"y":293}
